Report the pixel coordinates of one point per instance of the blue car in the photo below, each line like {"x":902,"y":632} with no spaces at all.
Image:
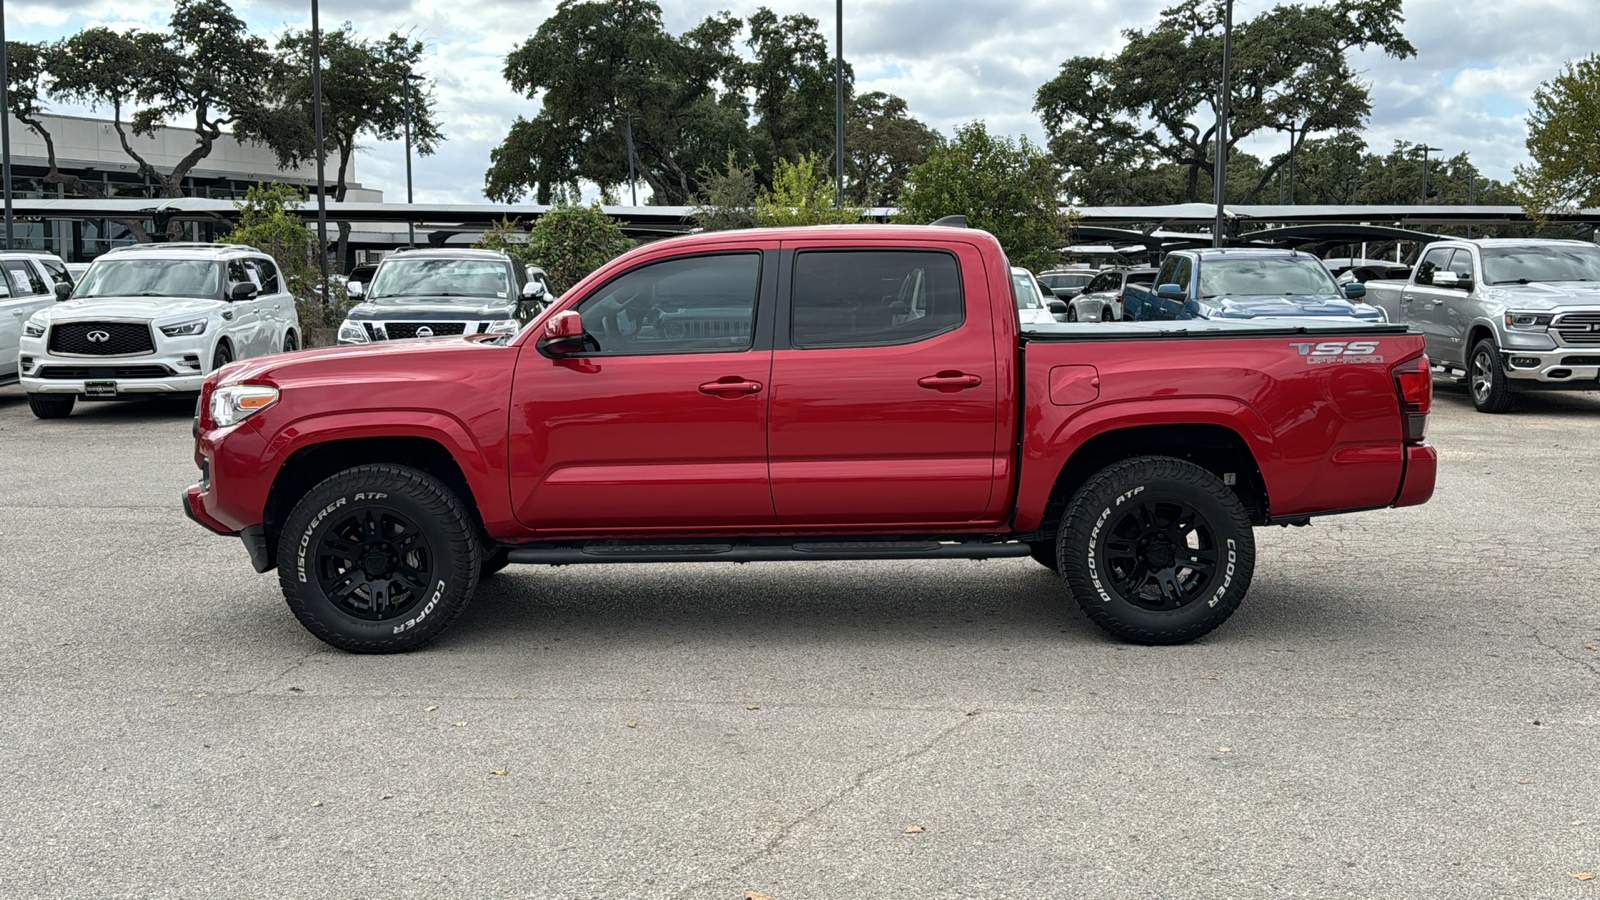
{"x":1244,"y":284}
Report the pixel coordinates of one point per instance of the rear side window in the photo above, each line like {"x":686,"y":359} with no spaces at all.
{"x":1142,"y":278}
{"x":58,"y":271}
{"x":873,"y":298}
{"x":25,"y":277}
{"x":698,"y":304}
{"x":266,"y":273}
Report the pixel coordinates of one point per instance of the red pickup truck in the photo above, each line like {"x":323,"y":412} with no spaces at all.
{"x":837,"y":393}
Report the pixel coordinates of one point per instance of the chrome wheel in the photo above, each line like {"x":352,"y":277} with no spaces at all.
{"x":1482,"y":377}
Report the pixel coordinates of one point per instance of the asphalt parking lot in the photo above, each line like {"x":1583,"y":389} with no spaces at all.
{"x":1406,"y":705}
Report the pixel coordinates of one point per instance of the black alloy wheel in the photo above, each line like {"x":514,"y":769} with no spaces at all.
{"x":379,"y":559}
{"x":1157,"y":550}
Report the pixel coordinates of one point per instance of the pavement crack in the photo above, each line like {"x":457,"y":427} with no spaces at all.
{"x":857,"y":783}
{"x":1590,"y":664}
{"x":285,"y":673}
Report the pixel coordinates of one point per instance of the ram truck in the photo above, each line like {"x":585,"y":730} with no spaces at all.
{"x":1510,"y":314}
{"x":1248,"y":283}
{"x":805,"y":394}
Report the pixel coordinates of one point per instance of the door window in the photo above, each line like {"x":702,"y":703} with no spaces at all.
{"x":25,"y":278}
{"x":1436,"y":260}
{"x":57,"y":271}
{"x":265,"y":275}
{"x":1461,"y":265}
{"x":873,"y":298}
{"x":699,"y":304}
{"x":1184,"y":273}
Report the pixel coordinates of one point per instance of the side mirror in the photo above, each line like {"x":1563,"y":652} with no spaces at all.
{"x":63,"y":291}
{"x":354,"y":290}
{"x":244,"y":290}
{"x":533,"y":290}
{"x":1057,"y":305}
{"x":1355,"y":290}
{"x":563,"y":335}
{"x":1445,"y":280}
{"x":1171,"y":292}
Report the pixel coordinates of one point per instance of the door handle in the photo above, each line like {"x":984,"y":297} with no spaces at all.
{"x":730,"y":386}
{"x":957,"y":380}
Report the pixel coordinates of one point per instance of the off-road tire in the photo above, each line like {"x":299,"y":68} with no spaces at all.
{"x":1105,"y":544}
{"x":51,"y":406}
{"x":358,"y":509}
{"x":1044,"y":553}
{"x":1486,"y":379}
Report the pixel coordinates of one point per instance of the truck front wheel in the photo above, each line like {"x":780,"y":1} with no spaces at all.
{"x":1486,"y":377}
{"x":1156,"y":550}
{"x":378,"y":559}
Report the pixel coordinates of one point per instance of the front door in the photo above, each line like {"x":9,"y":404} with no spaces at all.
{"x":1426,"y":305}
{"x":884,"y":387}
{"x":662,"y":422}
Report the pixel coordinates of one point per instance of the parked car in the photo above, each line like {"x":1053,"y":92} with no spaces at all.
{"x":29,"y":282}
{"x":152,"y":320}
{"x":1510,"y":314}
{"x":1101,"y":300}
{"x":1067,"y":283}
{"x":440,"y":292}
{"x":1244,"y":284}
{"x":75,"y":270}
{"x":894,"y":410}
{"x":1031,"y":308}
{"x":1355,"y":269}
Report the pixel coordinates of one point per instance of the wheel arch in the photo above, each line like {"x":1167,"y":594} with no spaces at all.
{"x":310,"y":465}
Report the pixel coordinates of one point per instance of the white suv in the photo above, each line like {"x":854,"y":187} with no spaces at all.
{"x":29,"y":282}
{"x":154,"y":320}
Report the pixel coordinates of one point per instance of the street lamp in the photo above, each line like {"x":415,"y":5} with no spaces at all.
{"x":5,"y":123}
{"x":838,"y":104}
{"x":1425,"y":151}
{"x":411,"y":223}
{"x":316,"y":125}
{"x":1219,"y":173}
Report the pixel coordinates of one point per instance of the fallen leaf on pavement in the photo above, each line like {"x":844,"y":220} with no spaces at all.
{"x":748,"y":706}
{"x":316,"y":803}
{"x":461,"y":724}
{"x":1581,"y":876}
{"x":633,"y":723}
{"x":914,"y":829}
{"x":1224,"y":749}
{"x":1590,"y":647}
{"x":497,"y":771}
{"x":755,"y":895}
{"x":1524,"y":781}
{"x":430,"y":709}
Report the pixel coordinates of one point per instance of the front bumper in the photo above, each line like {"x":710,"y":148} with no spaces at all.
{"x":1564,"y":368}
{"x":1422,"y":470}
{"x":176,"y":367}
{"x":96,"y":388}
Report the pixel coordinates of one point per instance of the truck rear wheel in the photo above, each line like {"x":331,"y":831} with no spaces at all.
{"x":1156,"y":550}
{"x":1486,"y":379}
{"x":378,"y":559}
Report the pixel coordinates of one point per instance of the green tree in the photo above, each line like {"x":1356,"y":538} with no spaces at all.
{"x":1006,"y":187}
{"x":1113,"y":122}
{"x":269,"y":220}
{"x":594,"y":64}
{"x":726,"y":198}
{"x":207,"y":71}
{"x":1565,"y":170}
{"x":790,"y":76}
{"x":882,"y":144}
{"x":801,"y":195}
{"x":570,"y":240}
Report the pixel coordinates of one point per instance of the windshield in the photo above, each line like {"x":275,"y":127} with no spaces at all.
{"x":1027,"y":297}
{"x":1540,"y":262}
{"x":1258,"y":277}
{"x":1068,"y":281}
{"x":399,"y":280}
{"x":151,"y":278}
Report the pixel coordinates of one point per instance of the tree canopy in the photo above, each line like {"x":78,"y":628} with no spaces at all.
{"x":1004,"y":186}
{"x":1565,"y":170}
{"x":1114,"y":123}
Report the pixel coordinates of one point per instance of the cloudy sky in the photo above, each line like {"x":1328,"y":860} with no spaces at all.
{"x":954,"y":61}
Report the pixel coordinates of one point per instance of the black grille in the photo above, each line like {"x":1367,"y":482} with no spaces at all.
{"x":1580,"y":360}
{"x":75,"y":372}
{"x":399,"y":331}
{"x":101,"y":338}
{"x":1579,"y":328}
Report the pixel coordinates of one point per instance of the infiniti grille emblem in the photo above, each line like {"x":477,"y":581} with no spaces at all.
{"x":98,"y":337}
{"x":424,"y":331}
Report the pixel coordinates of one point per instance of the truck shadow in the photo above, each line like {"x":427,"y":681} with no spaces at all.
{"x":1553,"y":403}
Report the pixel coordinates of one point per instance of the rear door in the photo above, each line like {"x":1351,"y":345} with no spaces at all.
{"x":1426,"y":305}
{"x":247,"y":328}
{"x":662,"y":423}
{"x":884,"y":386}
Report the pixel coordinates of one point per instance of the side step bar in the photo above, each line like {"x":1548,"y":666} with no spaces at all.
{"x":645,"y":552}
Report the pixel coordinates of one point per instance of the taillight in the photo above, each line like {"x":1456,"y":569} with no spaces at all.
{"x":1413,"y":381}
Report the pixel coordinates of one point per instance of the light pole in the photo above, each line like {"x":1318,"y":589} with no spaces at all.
{"x":838,"y":104}
{"x":633,"y":187}
{"x":1219,"y":174}
{"x":5,"y":123}
{"x":411,"y":224}
{"x":316,"y":125}
{"x":1425,"y":151}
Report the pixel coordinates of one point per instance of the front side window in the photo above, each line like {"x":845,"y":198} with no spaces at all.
{"x":403,"y":281}
{"x":699,"y":304}
{"x":1183,"y":273}
{"x":151,"y":278}
{"x":1435,"y":260}
{"x":874,"y":298}
{"x":58,"y":271}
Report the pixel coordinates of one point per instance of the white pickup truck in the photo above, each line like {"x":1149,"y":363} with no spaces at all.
{"x":1511,"y":314}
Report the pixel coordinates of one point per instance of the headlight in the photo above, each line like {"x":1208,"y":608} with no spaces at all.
{"x":503,"y":326}
{"x":235,"y":403}
{"x":185,"y":329}
{"x":352,"y":333}
{"x":35,"y":326}
{"x":1528,"y":321}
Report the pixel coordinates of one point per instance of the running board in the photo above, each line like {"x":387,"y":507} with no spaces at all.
{"x":644,"y":552}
